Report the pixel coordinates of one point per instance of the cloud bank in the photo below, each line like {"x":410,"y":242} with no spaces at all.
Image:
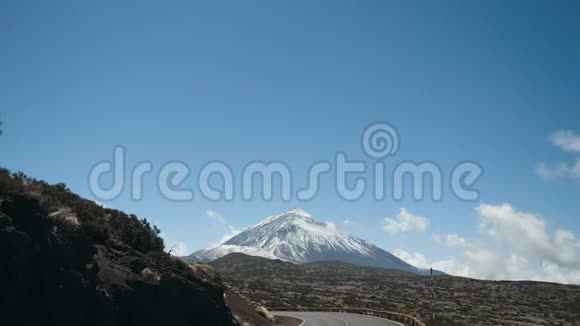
{"x":514,"y":245}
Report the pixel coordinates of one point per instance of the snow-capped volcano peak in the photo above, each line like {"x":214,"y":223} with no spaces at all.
{"x":298,"y":237}
{"x":294,"y":213}
{"x":297,"y":211}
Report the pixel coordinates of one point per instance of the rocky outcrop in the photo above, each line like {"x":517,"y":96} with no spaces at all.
{"x":51,"y":273}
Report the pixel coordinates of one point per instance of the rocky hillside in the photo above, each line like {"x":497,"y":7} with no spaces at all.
{"x":275,"y":283}
{"x":68,"y":261}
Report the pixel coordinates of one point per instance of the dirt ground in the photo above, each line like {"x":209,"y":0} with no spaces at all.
{"x":287,"y":321}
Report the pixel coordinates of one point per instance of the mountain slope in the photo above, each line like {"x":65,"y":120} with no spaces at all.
{"x":67,"y":261}
{"x":297,"y":237}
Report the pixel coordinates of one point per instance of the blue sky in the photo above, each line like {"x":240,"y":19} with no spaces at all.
{"x":298,"y":81}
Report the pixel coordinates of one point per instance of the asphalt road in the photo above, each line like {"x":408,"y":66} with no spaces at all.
{"x":336,"y":319}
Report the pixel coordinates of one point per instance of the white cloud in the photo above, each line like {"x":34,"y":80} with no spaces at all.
{"x":214,"y":215}
{"x":527,"y":234}
{"x":552,"y":171}
{"x":416,"y":259}
{"x":179,"y":250}
{"x":515,"y":246}
{"x":482,"y":263}
{"x":477,"y":263}
{"x":453,"y":267}
{"x":452,"y":240}
{"x":558,"y":170}
{"x":559,"y":274}
{"x":232,"y":232}
{"x":347,"y":222}
{"x":567,"y":140}
{"x":406,"y":222}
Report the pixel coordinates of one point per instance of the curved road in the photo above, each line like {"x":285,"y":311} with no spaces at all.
{"x":336,"y":319}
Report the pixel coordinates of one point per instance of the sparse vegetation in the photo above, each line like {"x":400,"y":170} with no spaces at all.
{"x":67,"y":261}
{"x":443,"y":320}
{"x":460,"y":301}
{"x":97,"y":223}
